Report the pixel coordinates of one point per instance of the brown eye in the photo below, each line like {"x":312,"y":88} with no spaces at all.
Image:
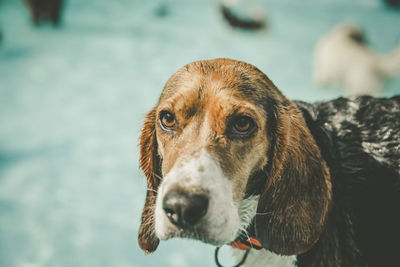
{"x":242,"y":124}
{"x":241,"y":127}
{"x":168,"y":121}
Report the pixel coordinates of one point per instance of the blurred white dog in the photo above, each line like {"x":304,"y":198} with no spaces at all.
{"x":343,"y":58}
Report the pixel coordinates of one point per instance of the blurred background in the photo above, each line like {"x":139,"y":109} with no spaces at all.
{"x":74,"y":90}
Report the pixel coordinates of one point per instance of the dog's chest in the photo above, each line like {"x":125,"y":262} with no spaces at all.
{"x":264,"y":258}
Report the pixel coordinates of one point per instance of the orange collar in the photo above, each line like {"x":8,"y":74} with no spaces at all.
{"x":246,"y":243}
{"x":243,"y":244}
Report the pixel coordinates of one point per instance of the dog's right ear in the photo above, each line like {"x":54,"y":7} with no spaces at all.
{"x":150,"y":164}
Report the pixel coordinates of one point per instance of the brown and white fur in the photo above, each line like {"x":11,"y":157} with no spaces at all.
{"x":201,"y":155}
{"x":223,"y":147}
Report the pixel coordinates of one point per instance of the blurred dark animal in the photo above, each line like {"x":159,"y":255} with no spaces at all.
{"x":238,"y":21}
{"x":392,"y":3}
{"x":45,"y":10}
{"x":228,"y":156}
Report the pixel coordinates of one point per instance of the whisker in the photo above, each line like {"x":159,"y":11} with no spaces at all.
{"x":159,"y":177}
{"x":264,"y":213}
{"x":150,"y":207}
{"x":152,"y":190}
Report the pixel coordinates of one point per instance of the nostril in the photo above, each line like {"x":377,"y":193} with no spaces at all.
{"x":171,"y":214}
{"x":172,"y":206}
{"x":196,"y":209}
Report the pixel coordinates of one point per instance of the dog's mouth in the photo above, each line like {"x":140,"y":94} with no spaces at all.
{"x":189,"y":215}
{"x":193,"y":233}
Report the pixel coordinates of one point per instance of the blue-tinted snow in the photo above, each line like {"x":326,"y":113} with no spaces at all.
{"x":72,"y":101}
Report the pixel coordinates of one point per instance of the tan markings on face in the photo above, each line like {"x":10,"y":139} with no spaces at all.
{"x":201,"y":168}
{"x":202,"y":105}
{"x":237,"y":157}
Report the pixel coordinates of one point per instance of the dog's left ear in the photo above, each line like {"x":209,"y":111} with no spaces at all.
{"x":150,"y":164}
{"x":294,"y":203}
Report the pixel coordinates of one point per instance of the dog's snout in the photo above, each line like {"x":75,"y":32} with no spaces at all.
{"x":185,"y":209}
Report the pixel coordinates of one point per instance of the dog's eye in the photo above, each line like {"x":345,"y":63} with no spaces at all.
{"x":242,"y":126}
{"x":168,"y":120}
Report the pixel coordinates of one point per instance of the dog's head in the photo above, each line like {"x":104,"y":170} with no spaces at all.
{"x":220,"y":132}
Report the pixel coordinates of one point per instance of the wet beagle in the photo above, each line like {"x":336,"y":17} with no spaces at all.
{"x":226,"y":155}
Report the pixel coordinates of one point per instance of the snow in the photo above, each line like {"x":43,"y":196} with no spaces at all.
{"x":72,"y":101}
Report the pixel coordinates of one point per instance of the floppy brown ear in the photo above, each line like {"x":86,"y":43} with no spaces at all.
{"x":150,"y":164}
{"x":294,"y":203}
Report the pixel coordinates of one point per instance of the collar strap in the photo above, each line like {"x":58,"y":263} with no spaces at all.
{"x":244,"y":243}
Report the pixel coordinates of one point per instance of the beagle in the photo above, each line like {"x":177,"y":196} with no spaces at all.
{"x":227,"y":156}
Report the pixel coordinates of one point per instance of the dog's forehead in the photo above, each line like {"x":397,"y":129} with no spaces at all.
{"x":217,"y":79}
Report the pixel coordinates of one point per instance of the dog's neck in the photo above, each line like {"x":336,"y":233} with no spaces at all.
{"x":262,"y":257}
{"x":265,"y":258}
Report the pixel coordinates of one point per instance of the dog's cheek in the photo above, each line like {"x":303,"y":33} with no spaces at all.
{"x":223,"y":217}
{"x":252,"y":162}
{"x":161,"y":150}
{"x":159,"y":216}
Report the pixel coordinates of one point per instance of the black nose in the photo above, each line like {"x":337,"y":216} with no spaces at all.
{"x":185,"y":209}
